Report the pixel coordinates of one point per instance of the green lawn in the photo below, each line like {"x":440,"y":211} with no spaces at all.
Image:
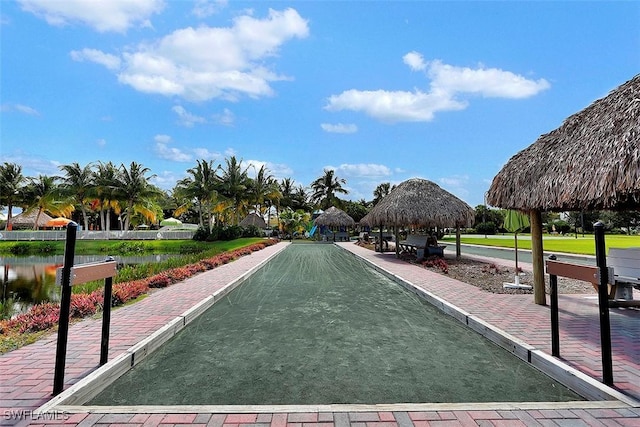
{"x":581,"y":245}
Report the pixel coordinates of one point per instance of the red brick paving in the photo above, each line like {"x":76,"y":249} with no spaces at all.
{"x":26,"y":374}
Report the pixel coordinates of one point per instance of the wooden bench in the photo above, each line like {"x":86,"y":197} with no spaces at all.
{"x":626,"y":271}
{"x":341,"y":236}
{"x":386,"y":238}
{"x":413,"y":243}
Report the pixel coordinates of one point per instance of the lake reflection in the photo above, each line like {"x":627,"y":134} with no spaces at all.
{"x":27,"y":281}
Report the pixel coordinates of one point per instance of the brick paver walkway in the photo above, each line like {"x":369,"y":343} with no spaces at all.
{"x":26,"y":374}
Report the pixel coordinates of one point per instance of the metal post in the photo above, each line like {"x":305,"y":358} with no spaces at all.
{"x":555,"y":323}
{"x":65,"y":307}
{"x":106,"y":318}
{"x":603,"y":305}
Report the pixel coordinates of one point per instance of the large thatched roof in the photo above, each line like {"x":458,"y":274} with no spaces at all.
{"x":420,"y":202}
{"x":253,"y":219}
{"x":334,"y":217}
{"x":590,"y":162}
{"x":28,"y":219}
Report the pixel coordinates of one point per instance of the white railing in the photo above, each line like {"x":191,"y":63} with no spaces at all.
{"x":42,"y":235}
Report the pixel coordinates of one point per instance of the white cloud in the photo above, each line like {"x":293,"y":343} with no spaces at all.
{"x":170,"y":153}
{"x":368,"y":170}
{"x":226,"y":118}
{"x":165,"y":179}
{"x":206,"y":8}
{"x":112,"y":62}
{"x":339,"y":128}
{"x":456,"y":184}
{"x":101,"y":142}
{"x":414,"y":60}
{"x":103,"y":16}
{"x":488,"y":82}
{"x":396,"y":106}
{"x":185,"y":118}
{"x":448,"y":86}
{"x":199,"y":64}
{"x":20,"y":108}
{"x":204,"y":153}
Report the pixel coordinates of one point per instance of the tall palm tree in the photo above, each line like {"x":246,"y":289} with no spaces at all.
{"x":11,"y":188}
{"x":105,"y":192}
{"x":235,"y":183}
{"x":135,"y":190}
{"x":44,"y":194}
{"x":325,"y":189}
{"x":200,"y":188}
{"x":381,"y":191}
{"x":78,"y":183}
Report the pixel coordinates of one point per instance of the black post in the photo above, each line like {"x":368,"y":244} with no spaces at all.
{"x":555,"y":323}
{"x":65,"y":307}
{"x":603,"y":305}
{"x":106,"y":318}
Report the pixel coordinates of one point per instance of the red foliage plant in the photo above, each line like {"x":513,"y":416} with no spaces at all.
{"x":436,"y":262}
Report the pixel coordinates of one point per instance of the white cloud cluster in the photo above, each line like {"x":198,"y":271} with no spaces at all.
{"x":165,"y":151}
{"x":186,"y":118}
{"x":361,"y":170}
{"x":199,"y":64}
{"x":102,"y":15}
{"x":206,"y":8}
{"x":339,"y":128}
{"x":448,"y":84}
{"x":278,"y":171}
{"x":112,"y":62}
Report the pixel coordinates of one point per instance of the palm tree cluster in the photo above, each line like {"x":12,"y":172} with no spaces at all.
{"x":100,"y":193}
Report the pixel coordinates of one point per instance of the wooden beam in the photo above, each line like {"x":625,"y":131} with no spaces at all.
{"x":537,"y":255}
{"x":84,"y":273}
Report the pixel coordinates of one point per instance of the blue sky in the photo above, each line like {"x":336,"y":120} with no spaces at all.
{"x":380,"y":91}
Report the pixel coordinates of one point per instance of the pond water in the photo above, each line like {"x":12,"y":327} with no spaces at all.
{"x":30,"y":280}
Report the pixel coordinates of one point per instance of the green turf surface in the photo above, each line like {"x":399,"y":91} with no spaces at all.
{"x":568,"y":244}
{"x":317,"y":325}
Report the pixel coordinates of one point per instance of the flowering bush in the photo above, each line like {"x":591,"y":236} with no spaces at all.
{"x":44,"y":316}
{"x":436,"y":262}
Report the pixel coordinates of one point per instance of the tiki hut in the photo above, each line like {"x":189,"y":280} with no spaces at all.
{"x":592,"y":161}
{"x":27,"y":220}
{"x":334,"y":217}
{"x":253,"y":219}
{"x":419,"y":202}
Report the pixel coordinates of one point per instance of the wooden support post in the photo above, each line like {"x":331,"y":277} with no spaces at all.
{"x":458,"y":251}
{"x":603,"y":305}
{"x":65,"y":308}
{"x":539,"y":296}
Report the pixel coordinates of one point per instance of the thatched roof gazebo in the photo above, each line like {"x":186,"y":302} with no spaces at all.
{"x":421,"y":202}
{"x":26,"y":220}
{"x":253,"y":219}
{"x":592,"y":161}
{"x":334,"y":217}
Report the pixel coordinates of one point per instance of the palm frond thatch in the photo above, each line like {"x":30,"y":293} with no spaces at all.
{"x":253,"y":219}
{"x":592,"y":161}
{"x":334,"y":217}
{"x":420,"y":202}
{"x":28,"y":219}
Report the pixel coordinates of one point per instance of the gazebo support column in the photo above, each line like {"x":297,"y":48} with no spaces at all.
{"x":458,"y":251}
{"x":539,"y":296}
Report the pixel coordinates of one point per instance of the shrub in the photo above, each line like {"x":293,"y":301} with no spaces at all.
{"x":20,"y":248}
{"x":230,"y":232}
{"x":201,"y":234}
{"x":123,"y":292}
{"x":486,"y":228}
{"x":251,"y":231}
{"x":436,"y":262}
{"x":84,"y":304}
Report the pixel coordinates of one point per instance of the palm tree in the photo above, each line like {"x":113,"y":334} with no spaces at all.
{"x":381,"y":191}
{"x":11,"y":188}
{"x":202,"y":188}
{"x":136,"y":191}
{"x":265,"y":191}
{"x":325,"y":189}
{"x":105,"y":192}
{"x":235,"y":183}
{"x":44,"y":194}
{"x":78,"y":183}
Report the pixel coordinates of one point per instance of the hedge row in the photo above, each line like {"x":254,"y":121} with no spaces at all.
{"x":44,"y":316}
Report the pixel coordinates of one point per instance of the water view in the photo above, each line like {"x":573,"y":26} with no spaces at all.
{"x":27,"y":281}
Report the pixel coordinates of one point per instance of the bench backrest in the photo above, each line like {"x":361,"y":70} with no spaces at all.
{"x":417,"y":240}
{"x":625,"y":262}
